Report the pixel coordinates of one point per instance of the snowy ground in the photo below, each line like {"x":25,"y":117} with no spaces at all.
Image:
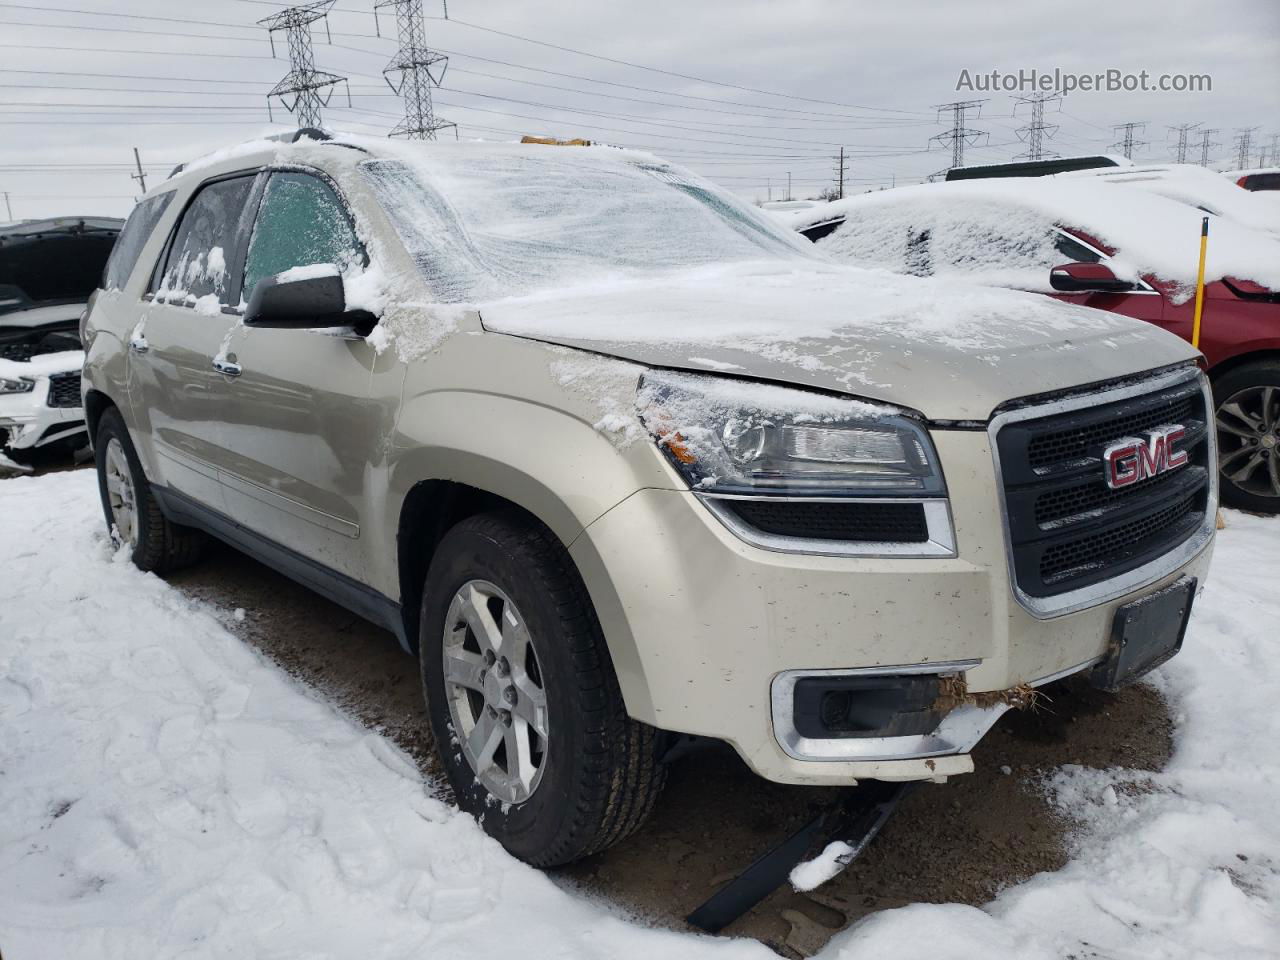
{"x":166,"y":792}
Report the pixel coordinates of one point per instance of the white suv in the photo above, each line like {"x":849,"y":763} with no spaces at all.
{"x":621,"y":459}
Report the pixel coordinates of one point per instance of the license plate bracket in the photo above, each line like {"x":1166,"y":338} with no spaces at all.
{"x":1145,"y":634}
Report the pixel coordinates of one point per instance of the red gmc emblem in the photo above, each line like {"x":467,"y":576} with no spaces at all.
{"x":1131,"y":459}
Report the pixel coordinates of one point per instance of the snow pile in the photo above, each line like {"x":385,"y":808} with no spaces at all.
{"x":1002,"y":231}
{"x":811,"y":874}
{"x":168,"y":793}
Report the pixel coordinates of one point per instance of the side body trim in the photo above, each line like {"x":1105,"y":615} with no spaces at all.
{"x":355,"y":596}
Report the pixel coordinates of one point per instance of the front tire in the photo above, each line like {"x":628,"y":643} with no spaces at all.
{"x":133,"y":516}
{"x":524,"y":704}
{"x":1247,"y":401}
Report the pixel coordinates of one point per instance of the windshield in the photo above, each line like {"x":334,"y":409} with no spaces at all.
{"x":487,"y":223}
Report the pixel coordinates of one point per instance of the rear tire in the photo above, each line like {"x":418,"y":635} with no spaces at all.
{"x":132,"y":513}
{"x":595,"y":776}
{"x":1247,"y":410}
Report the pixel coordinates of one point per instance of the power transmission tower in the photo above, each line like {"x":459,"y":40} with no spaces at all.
{"x":1244,"y":142}
{"x":1275,"y":151}
{"x":139,"y":176}
{"x":959,"y":135}
{"x":1205,"y":144}
{"x":418,"y":67}
{"x":1128,"y":143}
{"x":1183,"y":130}
{"x":840,"y":175}
{"x":1034,"y":133}
{"x":304,"y":83}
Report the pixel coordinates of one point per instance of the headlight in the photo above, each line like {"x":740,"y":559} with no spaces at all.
{"x":20,"y":385}
{"x":728,"y":436}
{"x":801,"y":472}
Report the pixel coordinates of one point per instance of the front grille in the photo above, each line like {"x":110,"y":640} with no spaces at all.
{"x":849,"y":521}
{"x":1060,"y":445}
{"x":64,"y":389}
{"x":1067,"y":528}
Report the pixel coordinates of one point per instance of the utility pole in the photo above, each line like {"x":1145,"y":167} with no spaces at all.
{"x":1183,"y":130}
{"x":418,"y":68}
{"x":304,"y":83}
{"x":788,"y":184}
{"x":7,"y":207}
{"x":1205,"y":144}
{"x":1128,"y":142}
{"x":959,"y":135}
{"x":840,"y":175}
{"x":1034,"y":133}
{"x":1244,"y":142}
{"x":139,"y":176}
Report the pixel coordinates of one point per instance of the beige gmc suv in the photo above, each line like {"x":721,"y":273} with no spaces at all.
{"x":621,"y":460}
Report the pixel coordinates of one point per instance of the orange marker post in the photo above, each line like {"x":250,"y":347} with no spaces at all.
{"x":1204,"y":244}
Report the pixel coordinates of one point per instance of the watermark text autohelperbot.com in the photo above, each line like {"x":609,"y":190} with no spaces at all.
{"x":1063,"y":82}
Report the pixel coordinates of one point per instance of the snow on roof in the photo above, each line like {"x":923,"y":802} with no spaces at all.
{"x":1251,"y":171}
{"x":1194,"y":185}
{"x":1001,"y":231}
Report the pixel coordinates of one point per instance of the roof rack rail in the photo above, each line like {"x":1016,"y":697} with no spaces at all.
{"x":289,"y":136}
{"x":293,"y":136}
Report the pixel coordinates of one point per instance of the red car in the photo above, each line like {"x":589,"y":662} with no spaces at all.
{"x":1102,"y":246}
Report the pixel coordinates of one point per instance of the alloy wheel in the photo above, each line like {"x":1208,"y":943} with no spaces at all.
{"x":493,"y":683}
{"x":1249,"y":440}
{"x":120,"y":493}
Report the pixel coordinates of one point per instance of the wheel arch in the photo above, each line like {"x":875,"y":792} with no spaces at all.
{"x":436,"y":500}
{"x":1238,"y":360}
{"x":96,"y":403}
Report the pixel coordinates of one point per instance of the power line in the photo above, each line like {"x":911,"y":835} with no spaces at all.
{"x":303,"y":81}
{"x":673,"y":73}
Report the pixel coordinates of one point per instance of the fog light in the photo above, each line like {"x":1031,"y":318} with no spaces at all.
{"x":835,"y":707}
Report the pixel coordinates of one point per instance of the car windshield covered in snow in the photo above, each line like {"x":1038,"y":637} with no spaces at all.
{"x":488,"y":223}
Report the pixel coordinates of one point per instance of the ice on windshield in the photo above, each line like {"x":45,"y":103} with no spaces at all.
{"x":484,"y":225}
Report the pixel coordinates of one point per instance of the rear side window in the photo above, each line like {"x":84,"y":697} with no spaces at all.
{"x":1073,"y":250}
{"x":301,"y":222}
{"x":133,"y":238}
{"x":204,"y":244}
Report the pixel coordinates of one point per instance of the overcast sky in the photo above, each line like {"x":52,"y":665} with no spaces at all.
{"x":743,"y":91}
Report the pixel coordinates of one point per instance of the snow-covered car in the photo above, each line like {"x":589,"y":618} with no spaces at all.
{"x":1256,"y":178}
{"x":1099,"y":245}
{"x":48,"y":269}
{"x":1198,"y":187}
{"x":622,"y":459}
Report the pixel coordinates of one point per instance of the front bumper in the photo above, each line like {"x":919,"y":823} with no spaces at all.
{"x":27,"y":421}
{"x":702,"y":627}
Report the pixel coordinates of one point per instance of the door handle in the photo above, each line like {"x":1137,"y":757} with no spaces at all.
{"x":227,"y":366}
{"x":138,"y":343}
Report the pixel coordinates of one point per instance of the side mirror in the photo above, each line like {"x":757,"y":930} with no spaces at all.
{"x":301,"y":298}
{"x":1087,"y":278}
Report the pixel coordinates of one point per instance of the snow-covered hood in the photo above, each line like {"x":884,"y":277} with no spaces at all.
{"x":947,"y":349}
{"x":65,"y":361}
